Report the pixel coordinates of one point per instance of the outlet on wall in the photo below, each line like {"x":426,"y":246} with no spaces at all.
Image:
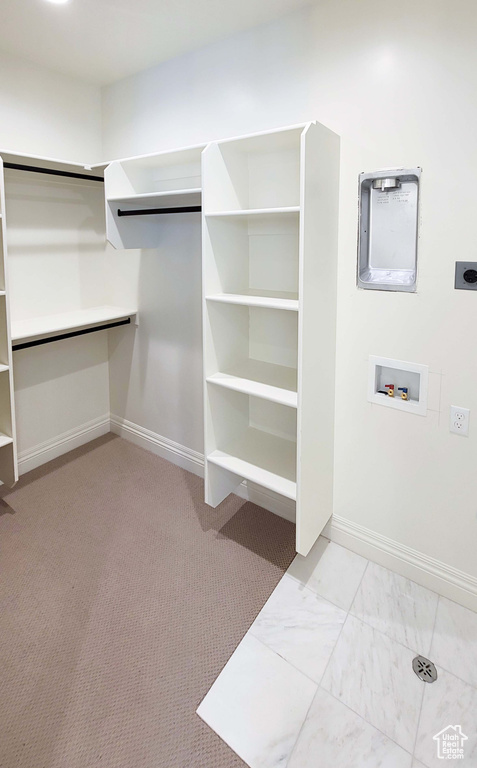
{"x":459,"y":420}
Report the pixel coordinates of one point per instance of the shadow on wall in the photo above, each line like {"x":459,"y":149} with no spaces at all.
{"x":156,"y":372}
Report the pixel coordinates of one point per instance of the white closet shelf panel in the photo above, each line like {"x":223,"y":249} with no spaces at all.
{"x":276,"y":383}
{"x":267,"y":299}
{"x":286,"y":137}
{"x":5,"y":440}
{"x":53,"y":163}
{"x":4,"y":368}
{"x":262,"y":458}
{"x":164,"y":158}
{"x":292,"y":210}
{"x":68,"y":321}
{"x":174,"y":197}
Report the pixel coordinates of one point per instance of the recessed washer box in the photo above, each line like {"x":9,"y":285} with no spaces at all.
{"x":388,"y":227}
{"x":384,"y":371}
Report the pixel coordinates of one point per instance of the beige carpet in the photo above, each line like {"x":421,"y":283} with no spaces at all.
{"x":122,"y":596}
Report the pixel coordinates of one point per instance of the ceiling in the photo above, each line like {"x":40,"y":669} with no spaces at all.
{"x":105,"y":40}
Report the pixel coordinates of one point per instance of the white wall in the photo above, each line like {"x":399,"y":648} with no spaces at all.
{"x":47,"y":113}
{"x":55,"y":233}
{"x":253,"y":81}
{"x":398,"y":84}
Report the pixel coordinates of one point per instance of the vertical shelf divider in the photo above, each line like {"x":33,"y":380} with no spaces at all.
{"x":8,"y":438}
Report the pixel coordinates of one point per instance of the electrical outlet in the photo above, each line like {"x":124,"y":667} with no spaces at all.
{"x":459,"y":420}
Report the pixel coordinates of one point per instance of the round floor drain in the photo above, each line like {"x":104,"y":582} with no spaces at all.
{"x":424,"y":669}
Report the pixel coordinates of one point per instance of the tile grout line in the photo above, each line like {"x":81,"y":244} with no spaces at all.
{"x":328,"y":663}
{"x":313,"y":592}
{"x":359,"y":585}
{"x":407,"y":647}
{"x":424,"y":691}
{"x":304,"y":675}
{"x":290,"y":663}
{"x":342,"y":626}
{"x":392,"y":640}
{"x":358,"y":714}
{"x":371,"y":725}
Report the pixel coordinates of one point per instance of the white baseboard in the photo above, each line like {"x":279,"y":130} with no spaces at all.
{"x":194,"y":462}
{"x":427,"y":571}
{"x":161,"y":446}
{"x":415,"y":565}
{"x":51,"y":449}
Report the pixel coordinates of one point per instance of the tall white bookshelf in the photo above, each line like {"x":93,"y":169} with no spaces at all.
{"x":8,"y":447}
{"x":270,"y":221}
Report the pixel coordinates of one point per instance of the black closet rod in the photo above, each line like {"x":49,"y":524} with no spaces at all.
{"x":38,"y":342}
{"x":51,"y":172}
{"x":156,"y":211}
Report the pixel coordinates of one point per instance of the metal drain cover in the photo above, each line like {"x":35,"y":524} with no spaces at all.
{"x":424,"y":669}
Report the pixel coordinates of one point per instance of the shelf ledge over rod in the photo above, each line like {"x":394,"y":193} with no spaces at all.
{"x":52,"y":172}
{"x":158,"y":211}
{"x":23,"y":330}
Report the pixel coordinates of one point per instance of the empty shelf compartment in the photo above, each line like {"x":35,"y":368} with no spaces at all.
{"x":252,"y":437}
{"x":255,"y":172}
{"x":262,"y":458}
{"x":252,"y":257}
{"x":163,"y":172}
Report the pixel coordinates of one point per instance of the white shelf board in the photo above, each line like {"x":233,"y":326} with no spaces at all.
{"x":277,"y":137}
{"x":289,"y":210}
{"x":67,"y":321}
{"x":175,"y":197}
{"x":262,"y":458}
{"x":5,"y":440}
{"x":252,"y":300}
{"x":3,"y":368}
{"x":164,"y":157}
{"x":276,"y":383}
{"x":9,"y":156}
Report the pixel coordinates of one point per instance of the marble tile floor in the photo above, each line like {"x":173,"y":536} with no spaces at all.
{"x":323,"y":677}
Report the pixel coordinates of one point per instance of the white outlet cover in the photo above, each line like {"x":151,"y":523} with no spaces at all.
{"x":459,"y":420}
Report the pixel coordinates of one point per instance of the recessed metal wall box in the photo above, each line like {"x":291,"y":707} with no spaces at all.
{"x":388,"y":226}
{"x":466,"y":275}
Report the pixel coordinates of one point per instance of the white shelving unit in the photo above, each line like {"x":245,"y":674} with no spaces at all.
{"x":269,"y":228}
{"x":57,"y":188}
{"x":163,"y":180}
{"x":270,"y":214}
{"x":269,"y":255}
{"x":8,"y":448}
